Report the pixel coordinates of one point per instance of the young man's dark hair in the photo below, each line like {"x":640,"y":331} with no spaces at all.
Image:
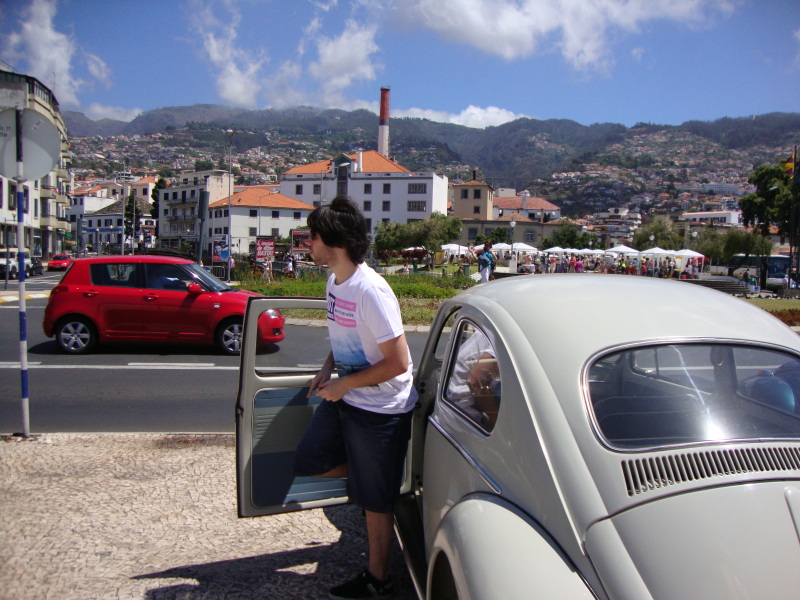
{"x":340,"y":224}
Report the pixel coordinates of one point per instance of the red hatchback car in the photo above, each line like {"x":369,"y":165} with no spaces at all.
{"x":149,"y":298}
{"x":58,"y":262}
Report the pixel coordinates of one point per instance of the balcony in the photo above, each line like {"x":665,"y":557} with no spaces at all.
{"x":47,"y":192}
{"x":183,"y":201}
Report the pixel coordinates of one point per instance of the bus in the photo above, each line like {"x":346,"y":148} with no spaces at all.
{"x":776,"y":267}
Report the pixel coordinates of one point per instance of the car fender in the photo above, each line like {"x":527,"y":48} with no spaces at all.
{"x":494,"y":550}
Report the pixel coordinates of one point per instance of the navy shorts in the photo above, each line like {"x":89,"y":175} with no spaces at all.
{"x":372,"y":444}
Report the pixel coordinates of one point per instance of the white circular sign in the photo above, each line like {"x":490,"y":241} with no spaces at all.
{"x":41,"y":144}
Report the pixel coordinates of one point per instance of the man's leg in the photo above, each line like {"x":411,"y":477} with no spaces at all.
{"x":380,"y":531}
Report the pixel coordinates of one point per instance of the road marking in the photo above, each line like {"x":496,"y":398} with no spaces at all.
{"x":158,"y":366}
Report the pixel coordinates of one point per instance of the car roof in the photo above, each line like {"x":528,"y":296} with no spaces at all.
{"x":567,"y":318}
{"x":134,"y":258}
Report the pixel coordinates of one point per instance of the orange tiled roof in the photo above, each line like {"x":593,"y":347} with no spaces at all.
{"x":515,"y":202}
{"x":371,"y":162}
{"x":474,"y":182}
{"x":515,"y":216}
{"x":259,"y":197}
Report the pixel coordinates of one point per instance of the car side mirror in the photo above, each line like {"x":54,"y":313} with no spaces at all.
{"x":194,"y":288}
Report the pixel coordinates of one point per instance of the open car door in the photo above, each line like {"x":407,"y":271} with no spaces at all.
{"x":272,"y":411}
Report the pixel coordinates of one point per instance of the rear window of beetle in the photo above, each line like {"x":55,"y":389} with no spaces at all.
{"x":674,"y":394}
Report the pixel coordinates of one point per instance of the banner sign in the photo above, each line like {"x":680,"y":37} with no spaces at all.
{"x":220,"y":247}
{"x":299,"y":237}
{"x":265,"y":248}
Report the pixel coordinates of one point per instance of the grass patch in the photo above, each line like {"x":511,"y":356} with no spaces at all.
{"x":787,"y":310}
{"x":419,"y":294}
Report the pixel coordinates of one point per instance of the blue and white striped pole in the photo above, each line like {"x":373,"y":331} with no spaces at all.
{"x":23,"y":325}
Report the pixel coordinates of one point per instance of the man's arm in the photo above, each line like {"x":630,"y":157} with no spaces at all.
{"x":322,"y":376}
{"x":394,"y":362}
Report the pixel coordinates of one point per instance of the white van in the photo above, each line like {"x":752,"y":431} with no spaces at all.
{"x":9,"y":258}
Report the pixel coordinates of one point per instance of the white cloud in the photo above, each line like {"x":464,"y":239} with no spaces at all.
{"x":797,"y":56}
{"x":580,"y":29}
{"x":46,"y":52}
{"x":98,"y":69}
{"x":472,"y":116}
{"x":237,"y":85}
{"x":117,"y":113}
{"x":345,"y":59}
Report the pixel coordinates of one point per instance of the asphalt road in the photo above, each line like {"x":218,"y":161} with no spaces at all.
{"x":146,"y":388}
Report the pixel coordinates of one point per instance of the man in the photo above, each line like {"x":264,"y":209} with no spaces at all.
{"x":361,"y":429}
{"x":486,"y":261}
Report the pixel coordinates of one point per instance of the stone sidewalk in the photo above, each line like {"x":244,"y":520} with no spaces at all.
{"x":150,"y":516}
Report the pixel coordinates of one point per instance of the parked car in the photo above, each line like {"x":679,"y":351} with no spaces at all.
{"x":144,"y":298}
{"x":576,"y":436}
{"x":59,"y":262}
{"x":9,"y":258}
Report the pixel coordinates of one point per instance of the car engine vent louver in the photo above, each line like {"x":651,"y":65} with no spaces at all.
{"x":655,"y":472}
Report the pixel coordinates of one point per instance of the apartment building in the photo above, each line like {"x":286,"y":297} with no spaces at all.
{"x":384,"y":189}
{"x":45,"y":201}
{"x":254,"y":211}
{"x":179,"y":204}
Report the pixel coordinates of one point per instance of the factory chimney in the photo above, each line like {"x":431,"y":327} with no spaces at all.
{"x":383,"y":124}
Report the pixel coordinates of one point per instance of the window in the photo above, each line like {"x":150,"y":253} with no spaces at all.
{"x":473,"y":385}
{"x":387,"y":206}
{"x":476,"y":210}
{"x":276,"y":232}
{"x":317,"y":190}
{"x":465,"y":194}
{"x":275,"y":214}
{"x":476,"y":194}
{"x":253,"y":231}
{"x":367,"y":205}
{"x":530,"y":236}
{"x":416,"y":206}
{"x":367,"y":188}
{"x":298,"y":189}
{"x":417,"y":188}
{"x":387,"y":188}
{"x":113,"y":274}
{"x":675,"y":394}
{"x":296,"y":215}
{"x":253,"y":212}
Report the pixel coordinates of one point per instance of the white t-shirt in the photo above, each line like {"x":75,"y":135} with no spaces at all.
{"x":362,"y":313}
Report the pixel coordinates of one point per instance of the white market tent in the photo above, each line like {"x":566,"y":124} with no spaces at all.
{"x":523,"y":247}
{"x":623,"y":249}
{"x":657,"y":252}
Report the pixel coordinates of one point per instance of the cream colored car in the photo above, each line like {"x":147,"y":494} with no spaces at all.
{"x":577,"y":436}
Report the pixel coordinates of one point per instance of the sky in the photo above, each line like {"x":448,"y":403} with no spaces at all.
{"x":473,"y":62}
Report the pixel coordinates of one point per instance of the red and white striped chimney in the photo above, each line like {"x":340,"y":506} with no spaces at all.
{"x":383,"y":124}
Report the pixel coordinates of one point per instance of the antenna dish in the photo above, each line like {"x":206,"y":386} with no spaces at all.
{"x":41,"y":144}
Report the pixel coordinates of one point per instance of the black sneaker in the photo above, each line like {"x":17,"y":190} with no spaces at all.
{"x":363,"y":586}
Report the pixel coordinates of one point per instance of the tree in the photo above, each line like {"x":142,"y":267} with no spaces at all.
{"x":156,"y":196}
{"x":132,"y":216}
{"x":568,"y":236}
{"x":745,"y":243}
{"x":709,"y":243}
{"x":771,"y":203}
{"x":428,"y":234}
{"x":390,"y":237}
{"x":664,"y":235}
{"x":204,"y":165}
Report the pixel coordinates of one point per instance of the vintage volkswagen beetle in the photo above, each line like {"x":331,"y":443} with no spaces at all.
{"x":624,"y":437}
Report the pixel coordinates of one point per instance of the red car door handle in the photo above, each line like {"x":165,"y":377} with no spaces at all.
{"x":150,"y":298}
{"x":90,"y":294}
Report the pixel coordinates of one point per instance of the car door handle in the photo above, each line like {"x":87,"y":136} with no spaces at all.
{"x":90,"y":294}
{"x":150,"y":298}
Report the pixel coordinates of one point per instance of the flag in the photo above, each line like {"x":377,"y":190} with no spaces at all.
{"x":788,"y":165}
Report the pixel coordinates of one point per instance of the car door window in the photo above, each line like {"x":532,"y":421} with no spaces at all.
{"x":167,"y":277}
{"x":473,"y":383}
{"x":114,"y":274}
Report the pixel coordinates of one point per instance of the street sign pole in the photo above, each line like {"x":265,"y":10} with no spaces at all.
{"x":23,"y":327}
{"x":41,"y":140}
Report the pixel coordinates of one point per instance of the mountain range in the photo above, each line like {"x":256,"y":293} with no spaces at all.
{"x":523,"y":149}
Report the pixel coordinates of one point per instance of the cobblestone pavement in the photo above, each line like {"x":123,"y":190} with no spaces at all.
{"x":145,"y":516}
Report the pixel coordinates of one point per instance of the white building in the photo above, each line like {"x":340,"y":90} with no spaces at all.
{"x":45,"y":201}
{"x":254,"y":211}
{"x":731,"y":218}
{"x":385,"y":190}
{"x":178,"y":218}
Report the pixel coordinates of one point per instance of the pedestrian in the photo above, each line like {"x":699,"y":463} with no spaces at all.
{"x":486,"y":261}
{"x":289,"y":267}
{"x":362,"y":427}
